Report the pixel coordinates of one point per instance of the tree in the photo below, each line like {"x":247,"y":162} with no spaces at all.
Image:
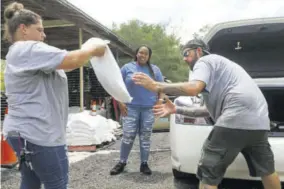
{"x":166,"y":47}
{"x":202,"y":31}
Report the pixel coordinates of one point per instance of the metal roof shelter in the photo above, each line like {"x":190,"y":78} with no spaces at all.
{"x":67,"y":27}
{"x":62,"y":21}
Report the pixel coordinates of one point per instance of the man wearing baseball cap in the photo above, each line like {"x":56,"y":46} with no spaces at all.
{"x":236,"y":105}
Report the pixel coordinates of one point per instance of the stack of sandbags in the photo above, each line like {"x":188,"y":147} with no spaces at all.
{"x":85,"y":129}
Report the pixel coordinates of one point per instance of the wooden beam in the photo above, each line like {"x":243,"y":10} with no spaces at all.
{"x":53,"y":24}
{"x":57,"y":23}
{"x":117,"y":56}
{"x":81,"y":74}
{"x":62,"y":42}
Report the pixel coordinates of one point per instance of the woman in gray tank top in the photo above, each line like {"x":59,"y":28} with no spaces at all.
{"x":37,"y":96}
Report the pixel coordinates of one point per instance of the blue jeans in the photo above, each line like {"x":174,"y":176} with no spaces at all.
{"x":138,"y":120}
{"x":50,"y":165}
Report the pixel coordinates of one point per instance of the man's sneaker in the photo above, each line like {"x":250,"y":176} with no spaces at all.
{"x":118,"y":168}
{"x":144,"y":168}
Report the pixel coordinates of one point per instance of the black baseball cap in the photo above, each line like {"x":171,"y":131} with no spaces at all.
{"x":195,"y":43}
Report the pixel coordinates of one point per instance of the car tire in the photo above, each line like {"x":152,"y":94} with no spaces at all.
{"x":181,"y":175}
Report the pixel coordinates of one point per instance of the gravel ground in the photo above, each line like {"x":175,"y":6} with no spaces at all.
{"x":93,"y":172}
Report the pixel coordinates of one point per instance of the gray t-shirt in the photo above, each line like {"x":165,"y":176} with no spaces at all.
{"x":232,"y":97}
{"x":37,"y":93}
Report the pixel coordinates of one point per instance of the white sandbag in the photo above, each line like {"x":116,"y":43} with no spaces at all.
{"x":108,"y":72}
{"x":113,"y":124}
{"x":84,"y":129}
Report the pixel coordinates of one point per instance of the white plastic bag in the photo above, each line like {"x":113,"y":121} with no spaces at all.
{"x":108,"y":72}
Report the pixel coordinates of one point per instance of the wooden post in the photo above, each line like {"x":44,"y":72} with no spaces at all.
{"x":81,"y":74}
{"x":117,"y":56}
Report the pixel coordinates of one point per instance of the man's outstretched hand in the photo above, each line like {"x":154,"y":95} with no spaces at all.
{"x":162,"y":110}
{"x":145,"y":81}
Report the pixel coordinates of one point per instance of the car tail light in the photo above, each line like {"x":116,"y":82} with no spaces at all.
{"x":189,"y":120}
{"x":181,"y":119}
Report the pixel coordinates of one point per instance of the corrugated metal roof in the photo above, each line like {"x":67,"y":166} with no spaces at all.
{"x":67,"y":37}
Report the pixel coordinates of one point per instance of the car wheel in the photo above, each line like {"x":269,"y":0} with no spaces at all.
{"x":181,"y":175}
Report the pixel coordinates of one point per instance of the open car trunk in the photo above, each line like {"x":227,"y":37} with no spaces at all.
{"x":257,"y":46}
{"x":275,"y":101}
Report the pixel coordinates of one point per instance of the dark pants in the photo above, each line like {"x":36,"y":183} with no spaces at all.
{"x":50,"y":165}
{"x":222,"y":147}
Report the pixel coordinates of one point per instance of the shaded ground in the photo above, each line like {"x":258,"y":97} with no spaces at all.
{"x":93,"y":172}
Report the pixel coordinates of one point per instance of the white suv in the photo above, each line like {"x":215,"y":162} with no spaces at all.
{"x":258,"y":46}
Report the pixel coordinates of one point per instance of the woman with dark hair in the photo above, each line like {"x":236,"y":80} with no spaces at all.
{"x":138,"y":116}
{"x":37,"y":96}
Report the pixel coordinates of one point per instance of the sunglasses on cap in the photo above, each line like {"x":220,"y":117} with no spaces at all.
{"x":185,"y":53}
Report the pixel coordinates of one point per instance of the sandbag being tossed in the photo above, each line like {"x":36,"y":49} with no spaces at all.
{"x":108,"y":72}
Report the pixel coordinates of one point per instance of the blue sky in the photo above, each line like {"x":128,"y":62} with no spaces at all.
{"x":185,"y":16}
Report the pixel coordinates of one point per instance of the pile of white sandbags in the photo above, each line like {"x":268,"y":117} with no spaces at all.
{"x":85,"y":129}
